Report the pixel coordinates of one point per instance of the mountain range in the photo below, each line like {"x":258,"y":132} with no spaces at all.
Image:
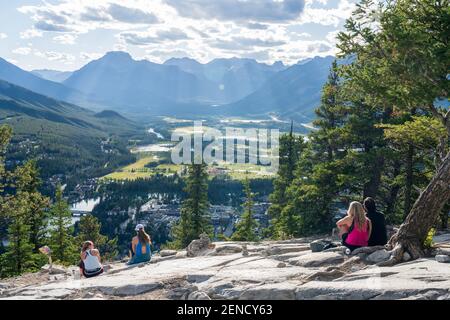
{"x":64,"y":137}
{"x":182,"y":86}
{"x":52,"y":75}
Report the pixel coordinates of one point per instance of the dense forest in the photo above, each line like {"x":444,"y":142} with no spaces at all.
{"x":382,"y":130}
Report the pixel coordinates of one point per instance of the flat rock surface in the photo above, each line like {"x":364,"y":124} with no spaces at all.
{"x":228,"y":274}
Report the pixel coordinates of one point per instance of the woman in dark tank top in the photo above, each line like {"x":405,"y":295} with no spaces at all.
{"x":378,"y":237}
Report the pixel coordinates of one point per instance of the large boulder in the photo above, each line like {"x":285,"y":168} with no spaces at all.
{"x":321,"y":245}
{"x":54,"y":269}
{"x":198,"y":295}
{"x":167,"y":253}
{"x":442,"y":258}
{"x":199,"y":247}
{"x":227,"y":249}
{"x":314,"y":260}
{"x":284,"y":248}
{"x":379,"y":256}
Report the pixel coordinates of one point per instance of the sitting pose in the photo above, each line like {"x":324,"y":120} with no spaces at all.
{"x":378,"y":236}
{"x":90,"y":265}
{"x":140,"y":246}
{"x":355,"y":227}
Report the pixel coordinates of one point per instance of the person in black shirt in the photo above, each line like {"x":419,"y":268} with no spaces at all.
{"x":378,"y":237}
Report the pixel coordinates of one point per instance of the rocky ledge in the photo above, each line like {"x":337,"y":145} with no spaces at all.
{"x":237,"y":270}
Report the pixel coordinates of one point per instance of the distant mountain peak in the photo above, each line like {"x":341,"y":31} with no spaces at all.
{"x":183,"y":59}
{"x":117,"y":55}
{"x":110,"y":114}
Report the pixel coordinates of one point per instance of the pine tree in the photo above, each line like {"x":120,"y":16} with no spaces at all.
{"x":5,"y":136}
{"x":246,"y":228}
{"x":62,"y":242}
{"x":194,"y":219}
{"x":89,"y":230}
{"x":330,"y":117}
{"x":309,"y":196}
{"x":290,"y":150}
{"x":403,"y":61}
{"x":18,"y":257}
{"x":27,"y":184}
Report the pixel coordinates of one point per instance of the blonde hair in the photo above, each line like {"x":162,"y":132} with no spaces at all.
{"x":357,"y":212}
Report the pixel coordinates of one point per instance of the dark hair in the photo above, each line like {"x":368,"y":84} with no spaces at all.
{"x":369,"y":204}
{"x":143,"y":236}
{"x":86,"y":245}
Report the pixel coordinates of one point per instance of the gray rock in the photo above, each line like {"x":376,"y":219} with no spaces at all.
{"x":4,"y":286}
{"x":282,"y":249}
{"x":320,"y":245}
{"x":428,"y":295}
{"x":317,"y":246}
{"x":279,"y":291}
{"x":442,"y":258}
{"x":60,"y":293}
{"x":227,"y":249}
{"x":133,"y":290}
{"x":406,"y":257}
{"x":197,"y":278}
{"x":107,"y":267}
{"x":443,"y":251}
{"x":281,"y":265}
{"x":367,"y":250}
{"x":198,"y":295}
{"x":320,"y":259}
{"x":55,"y":269}
{"x":199,"y":246}
{"x":167,"y":253}
{"x":379,"y":256}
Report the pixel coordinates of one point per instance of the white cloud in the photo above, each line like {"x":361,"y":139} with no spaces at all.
{"x":327,"y":16}
{"x":82,"y":16}
{"x":200,"y":29}
{"x":24,"y":51}
{"x":66,"y":38}
{"x":90,"y":55}
{"x":3,"y":35}
{"x":147,"y":38}
{"x":31,"y":33}
{"x":55,"y":56}
{"x":238,"y":10}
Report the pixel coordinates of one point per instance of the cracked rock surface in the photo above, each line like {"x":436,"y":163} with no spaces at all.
{"x":234,"y":270}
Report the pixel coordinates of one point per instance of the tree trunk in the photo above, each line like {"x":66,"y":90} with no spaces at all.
{"x":372,"y":187}
{"x":424,"y":214}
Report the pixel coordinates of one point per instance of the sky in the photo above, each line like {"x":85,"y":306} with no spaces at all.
{"x":66,"y":34}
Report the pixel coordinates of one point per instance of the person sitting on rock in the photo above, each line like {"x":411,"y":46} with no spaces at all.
{"x":140,"y":246}
{"x":378,"y":236}
{"x":355,"y":227}
{"x":90,"y":265}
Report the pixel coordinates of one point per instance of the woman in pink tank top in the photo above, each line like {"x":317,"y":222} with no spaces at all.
{"x":355,"y":227}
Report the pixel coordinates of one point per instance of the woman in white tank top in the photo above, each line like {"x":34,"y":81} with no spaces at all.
{"x":90,"y":265}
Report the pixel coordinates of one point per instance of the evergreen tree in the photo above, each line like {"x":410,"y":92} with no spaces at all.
{"x":18,"y":257}
{"x":330,"y":117}
{"x":62,"y":242}
{"x":194,"y":218}
{"x":403,"y":60}
{"x":246,"y":228}
{"x":27,"y":184}
{"x":89,"y":230}
{"x":290,"y":150}
{"x":311,"y":193}
{"x":5,"y":179}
